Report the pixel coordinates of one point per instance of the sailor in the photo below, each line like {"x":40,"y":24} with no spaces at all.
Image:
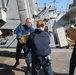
{"x":22,"y":30}
{"x":39,"y":42}
{"x":73,"y":60}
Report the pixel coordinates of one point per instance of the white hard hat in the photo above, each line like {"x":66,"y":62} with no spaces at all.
{"x":1,"y":32}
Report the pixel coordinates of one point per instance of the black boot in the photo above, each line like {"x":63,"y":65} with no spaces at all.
{"x":28,"y":69}
{"x":15,"y":65}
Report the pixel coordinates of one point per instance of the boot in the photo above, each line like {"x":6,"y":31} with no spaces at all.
{"x":15,"y":65}
{"x":28,"y":69}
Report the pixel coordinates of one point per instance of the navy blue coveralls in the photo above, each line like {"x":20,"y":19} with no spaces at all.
{"x":39,"y":42}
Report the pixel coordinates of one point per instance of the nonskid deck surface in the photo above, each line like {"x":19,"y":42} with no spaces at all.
{"x":60,"y":62}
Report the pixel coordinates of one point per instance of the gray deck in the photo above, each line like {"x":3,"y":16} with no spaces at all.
{"x":60,"y":62}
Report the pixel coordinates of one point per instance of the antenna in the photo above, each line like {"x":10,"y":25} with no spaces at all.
{"x":67,"y":5}
{"x":54,"y":2}
{"x":45,"y":5}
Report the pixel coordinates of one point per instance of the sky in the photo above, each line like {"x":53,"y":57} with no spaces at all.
{"x":61,"y":5}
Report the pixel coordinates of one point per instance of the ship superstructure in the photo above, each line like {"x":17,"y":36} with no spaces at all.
{"x":14,"y":12}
